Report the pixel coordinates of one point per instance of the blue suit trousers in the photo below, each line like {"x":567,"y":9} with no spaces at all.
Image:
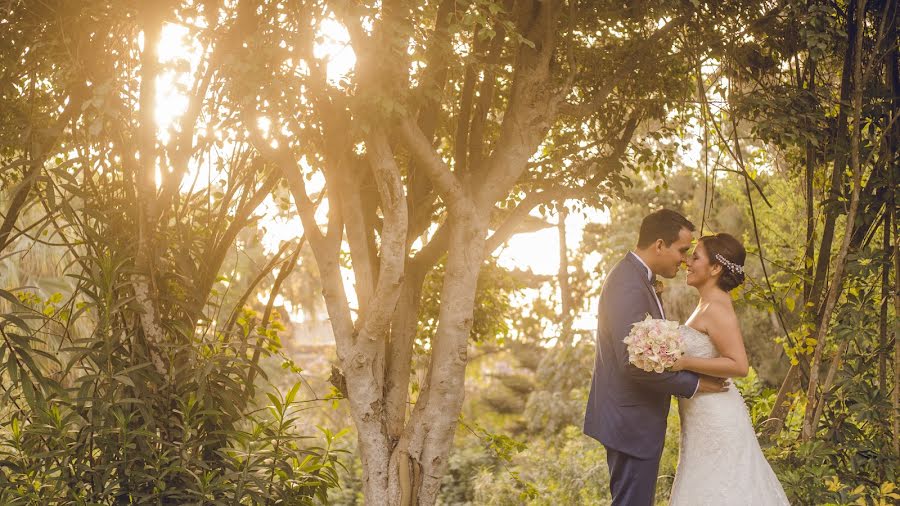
{"x":632,"y":481}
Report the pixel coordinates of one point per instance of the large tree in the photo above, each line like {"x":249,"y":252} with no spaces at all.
{"x":457,"y":121}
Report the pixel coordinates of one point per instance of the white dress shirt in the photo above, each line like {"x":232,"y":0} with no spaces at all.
{"x":650,"y":278}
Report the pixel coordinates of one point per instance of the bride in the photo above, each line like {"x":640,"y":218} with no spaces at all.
{"x":720,"y":461}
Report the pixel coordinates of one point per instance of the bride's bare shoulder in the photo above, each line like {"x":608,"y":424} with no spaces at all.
{"x":716,"y":314}
{"x":721,"y":315}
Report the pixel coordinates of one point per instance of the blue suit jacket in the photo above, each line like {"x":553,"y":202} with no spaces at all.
{"x":627,"y":407}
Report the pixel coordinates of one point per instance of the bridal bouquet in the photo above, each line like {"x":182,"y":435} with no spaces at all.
{"x":654,"y":345}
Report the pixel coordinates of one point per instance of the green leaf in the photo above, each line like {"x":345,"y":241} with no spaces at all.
{"x":292,"y":394}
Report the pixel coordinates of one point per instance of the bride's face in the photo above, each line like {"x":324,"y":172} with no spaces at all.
{"x":699,"y":269}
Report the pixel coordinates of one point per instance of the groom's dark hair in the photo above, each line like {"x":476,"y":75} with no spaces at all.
{"x":664,"y":224}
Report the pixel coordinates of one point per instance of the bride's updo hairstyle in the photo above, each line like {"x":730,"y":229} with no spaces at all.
{"x":725,"y":250}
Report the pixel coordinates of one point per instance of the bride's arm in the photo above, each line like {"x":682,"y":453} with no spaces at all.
{"x":725,"y":334}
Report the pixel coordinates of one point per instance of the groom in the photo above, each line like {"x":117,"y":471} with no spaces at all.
{"x":627,"y":407}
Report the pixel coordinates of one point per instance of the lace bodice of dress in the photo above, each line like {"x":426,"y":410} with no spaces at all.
{"x":697,"y":344}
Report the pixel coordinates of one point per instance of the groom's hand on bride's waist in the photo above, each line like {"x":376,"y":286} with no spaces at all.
{"x":710,"y":384}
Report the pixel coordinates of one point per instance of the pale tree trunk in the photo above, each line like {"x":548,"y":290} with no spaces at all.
{"x":145,"y":290}
{"x":782,"y":406}
{"x":361,"y":354}
{"x":433,"y":421}
{"x":792,"y":382}
{"x":420,"y":458}
{"x":565,"y":292}
{"x":404,"y":473}
{"x":359,"y":346}
{"x":399,"y":358}
{"x":815,"y":401}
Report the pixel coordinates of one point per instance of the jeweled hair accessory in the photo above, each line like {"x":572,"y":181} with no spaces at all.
{"x":731,"y":266}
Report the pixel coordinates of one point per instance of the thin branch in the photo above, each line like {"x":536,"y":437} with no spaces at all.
{"x":447,"y":184}
{"x":286,"y":269}
{"x":291,"y":173}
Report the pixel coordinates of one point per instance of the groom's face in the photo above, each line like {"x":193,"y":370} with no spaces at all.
{"x":672,"y":256}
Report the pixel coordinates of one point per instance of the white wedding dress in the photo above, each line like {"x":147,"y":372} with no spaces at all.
{"x":720,"y":462}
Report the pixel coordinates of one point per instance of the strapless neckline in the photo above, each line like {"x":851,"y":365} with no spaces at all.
{"x":686,"y":326}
